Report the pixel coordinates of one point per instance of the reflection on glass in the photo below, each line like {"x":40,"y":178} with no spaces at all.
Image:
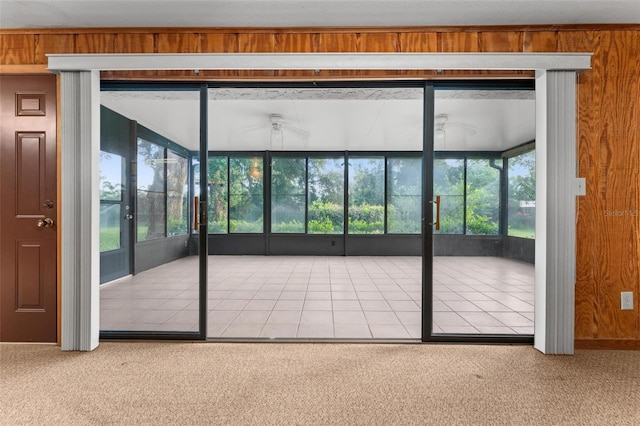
{"x":245,"y":194}
{"x":218,"y":190}
{"x":326,"y":195}
{"x":522,"y":195}
{"x":366,"y":195}
{"x":111,"y":167}
{"x":109,"y":227}
{"x":288,"y":194}
{"x":483,"y":197}
{"x":151,"y":206}
{"x":177,"y":194}
{"x":404,"y":187}
{"x":448,"y":183}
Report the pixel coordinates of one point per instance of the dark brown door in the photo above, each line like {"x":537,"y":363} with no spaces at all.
{"x":28,"y":207}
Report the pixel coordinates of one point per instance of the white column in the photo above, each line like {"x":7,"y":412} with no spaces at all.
{"x":80,"y":226}
{"x":556,"y":166}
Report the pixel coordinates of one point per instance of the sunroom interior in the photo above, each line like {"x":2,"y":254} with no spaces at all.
{"x":314,"y":198}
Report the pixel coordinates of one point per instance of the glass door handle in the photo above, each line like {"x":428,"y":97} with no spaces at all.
{"x":196,"y":204}
{"x":437,"y":222}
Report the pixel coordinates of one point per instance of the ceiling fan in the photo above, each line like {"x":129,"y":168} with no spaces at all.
{"x":441,"y":125}
{"x":278,"y":126}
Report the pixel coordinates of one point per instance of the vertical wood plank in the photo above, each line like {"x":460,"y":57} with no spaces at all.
{"x":540,"y":41}
{"x":590,"y":207}
{"x":95,"y":43}
{"x":53,"y":43}
{"x":459,"y":42}
{"x":17,"y":49}
{"x":619,"y":157}
{"x":500,"y":41}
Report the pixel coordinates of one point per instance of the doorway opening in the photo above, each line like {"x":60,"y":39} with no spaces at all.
{"x":314,"y":206}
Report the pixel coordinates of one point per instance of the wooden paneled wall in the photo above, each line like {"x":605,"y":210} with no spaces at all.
{"x":608,"y":228}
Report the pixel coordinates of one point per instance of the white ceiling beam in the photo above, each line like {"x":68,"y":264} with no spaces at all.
{"x":321,"y":61}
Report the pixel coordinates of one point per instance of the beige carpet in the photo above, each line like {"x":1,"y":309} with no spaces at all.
{"x":313,"y":383}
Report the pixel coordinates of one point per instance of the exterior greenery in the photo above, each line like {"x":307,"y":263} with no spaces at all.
{"x":474,"y":182}
{"x":308,"y":193}
{"x":522,"y":195}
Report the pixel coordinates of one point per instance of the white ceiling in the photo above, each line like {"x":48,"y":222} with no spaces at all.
{"x":388,"y":119}
{"x":310,"y":13}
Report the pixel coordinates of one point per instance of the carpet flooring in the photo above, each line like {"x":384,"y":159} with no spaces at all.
{"x":128,"y":383}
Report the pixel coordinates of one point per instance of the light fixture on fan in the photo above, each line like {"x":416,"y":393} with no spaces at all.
{"x":276,"y":140}
{"x":441,"y":125}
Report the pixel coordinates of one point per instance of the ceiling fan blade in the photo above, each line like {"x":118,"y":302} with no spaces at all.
{"x":467,"y":128}
{"x":297,"y":131}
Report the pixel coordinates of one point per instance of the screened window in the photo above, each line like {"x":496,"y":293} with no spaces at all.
{"x":177,"y":194}
{"x":522,"y":195}
{"x":288,"y":194}
{"x":366,"y":195}
{"x":111,"y":178}
{"x":483,"y":197}
{"x":246,"y":194}
{"x":218,"y":191}
{"x":326,"y":195}
{"x":151,"y":208}
{"x":404,"y":195}
{"x":448,"y":183}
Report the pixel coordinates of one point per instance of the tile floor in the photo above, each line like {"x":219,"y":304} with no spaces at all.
{"x":324,"y":297}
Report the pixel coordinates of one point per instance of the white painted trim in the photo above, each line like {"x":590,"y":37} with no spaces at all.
{"x":556,"y":170}
{"x":320,"y":61}
{"x":80,"y":144}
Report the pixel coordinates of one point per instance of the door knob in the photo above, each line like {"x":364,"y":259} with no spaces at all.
{"x":47,"y":222}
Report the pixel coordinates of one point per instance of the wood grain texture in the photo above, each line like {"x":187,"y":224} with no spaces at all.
{"x":95,"y":43}
{"x":618,"y":160}
{"x":17,"y":49}
{"x":540,"y":41}
{"x":500,"y":41}
{"x":53,"y":43}
{"x":459,"y":42}
{"x":590,"y":209}
{"x":607,"y":247}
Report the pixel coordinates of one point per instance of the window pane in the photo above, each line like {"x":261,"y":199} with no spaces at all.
{"x":177,"y":194}
{"x":522,"y":195}
{"x":109,"y":227}
{"x":288,"y":194}
{"x":246,"y":196}
{"x":110,"y":176}
{"x":218,"y":190}
{"x":404,"y":189}
{"x":448,"y":183}
{"x":326,"y":195}
{"x":366,"y":195}
{"x":151,"y":209}
{"x":483,"y":197}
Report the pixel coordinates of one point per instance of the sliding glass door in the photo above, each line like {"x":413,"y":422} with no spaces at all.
{"x":159,"y":295}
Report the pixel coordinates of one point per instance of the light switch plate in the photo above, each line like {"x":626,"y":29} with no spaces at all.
{"x":626,"y":300}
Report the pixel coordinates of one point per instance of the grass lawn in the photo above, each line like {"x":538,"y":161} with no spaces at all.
{"x":522,"y":233}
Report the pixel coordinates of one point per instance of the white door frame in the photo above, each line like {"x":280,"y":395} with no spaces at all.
{"x":556,"y":167}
